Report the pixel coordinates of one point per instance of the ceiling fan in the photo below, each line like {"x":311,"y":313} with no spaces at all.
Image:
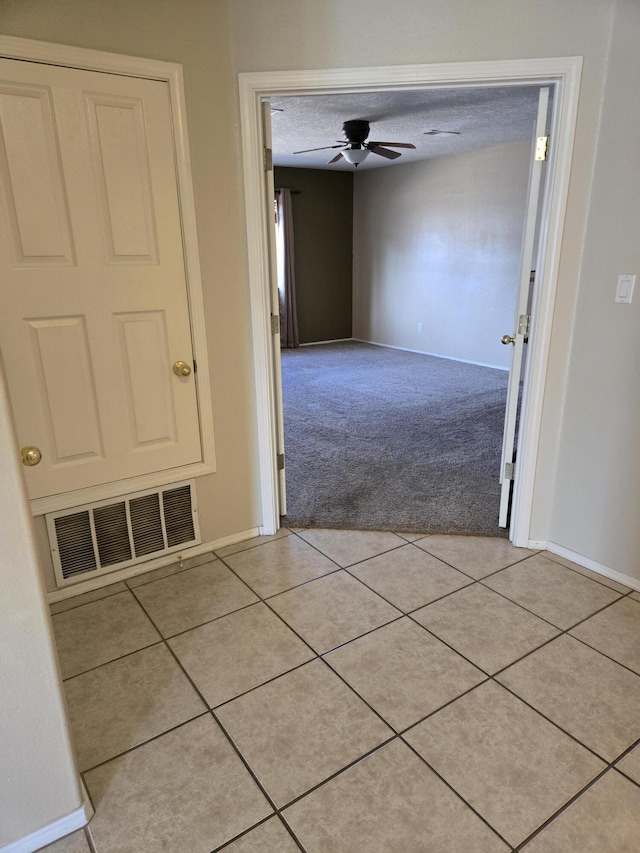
{"x":356,"y":149}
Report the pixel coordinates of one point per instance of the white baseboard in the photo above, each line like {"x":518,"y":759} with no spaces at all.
{"x":537,"y":544}
{"x":124,"y":574}
{"x":52,"y":832}
{"x":333,"y":341}
{"x":588,"y":563}
{"x":434,"y":354}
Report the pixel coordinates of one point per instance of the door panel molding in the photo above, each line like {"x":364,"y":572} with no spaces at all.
{"x":171,"y":74}
{"x":74,"y":431}
{"x":36,"y":161}
{"x":564,"y":74}
{"x":118,"y":143}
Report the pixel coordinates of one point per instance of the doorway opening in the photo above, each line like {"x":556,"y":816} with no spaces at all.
{"x":563,"y":76}
{"x":407,"y":434}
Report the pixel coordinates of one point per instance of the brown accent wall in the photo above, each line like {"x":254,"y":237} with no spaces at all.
{"x":323,"y":234}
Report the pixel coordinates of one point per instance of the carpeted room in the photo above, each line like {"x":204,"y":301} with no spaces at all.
{"x":414,"y":270}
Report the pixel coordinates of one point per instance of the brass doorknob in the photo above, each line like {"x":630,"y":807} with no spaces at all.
{"x":508,"y":339}
{"x":30,"y":456}
{"x":181,"y":368}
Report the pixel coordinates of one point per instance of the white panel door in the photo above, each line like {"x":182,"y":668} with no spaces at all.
{"x":520,"y":333}
{"x":94,"y":300}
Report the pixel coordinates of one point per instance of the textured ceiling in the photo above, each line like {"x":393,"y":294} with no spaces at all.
{"x":482,"y":117}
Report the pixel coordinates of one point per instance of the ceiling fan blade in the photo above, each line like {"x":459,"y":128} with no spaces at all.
{"x":383,"y":152}
{"x":323,"y":148}
{"x":337,"y":157}
{"x":394,"y":144}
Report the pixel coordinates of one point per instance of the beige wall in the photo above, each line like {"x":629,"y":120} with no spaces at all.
{"x":36,"y":759}
{"x":438,"y":242}
{"x":594,"y":418}
{"x":322,"y":222}
{"x":286,"y":34}
{"x":289,"y":34}
{"x":596,"y":511}
{"x":38,"y":782}
{"x":195,"y":33}
{"x":587,"y":495}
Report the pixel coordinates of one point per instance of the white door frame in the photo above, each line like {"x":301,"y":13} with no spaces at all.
{"x":563,"y":74}
{"x":170,"y":73}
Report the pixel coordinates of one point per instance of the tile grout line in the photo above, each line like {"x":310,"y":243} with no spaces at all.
{"x":604,"y":654}
{"x":82,"y":603}
{"x":553,"y":723}
{"x":112,"y":660}
{"x":87,"y":835}
{"x":127,"y":588}
{"x":262,"y":684}
{"x":629,"y":591}
{"x":627,"y":752}
{"x":489,"y":677}
{"x":564,"y":630}
{"x":357,"y":562}
{"x":213,"y":559}
{"x":397,"y":735}
{"x":625,"y":775}
{"x":339,"y":772}
{"x":246,"y":832}
{"x":277,"y":810}
{"x":142,"y":743}
{"x":274,"y":537}
{"x":457,"y":794}
{"x":562,"y":809}
{"x":397,"y":606}
{"x":319,"y":655}
{"x":493,"y":678}
{"x":230,"y":741}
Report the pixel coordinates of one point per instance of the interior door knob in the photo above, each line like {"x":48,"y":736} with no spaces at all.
{"x":30,"y":456}
{"x":181,"y":368}
{"x":508,"y":339}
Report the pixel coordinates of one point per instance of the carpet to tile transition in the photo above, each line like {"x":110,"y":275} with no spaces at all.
{"x":377,"y":438}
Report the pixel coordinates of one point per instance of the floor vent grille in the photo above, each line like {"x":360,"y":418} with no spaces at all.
{"x":100,"y":537}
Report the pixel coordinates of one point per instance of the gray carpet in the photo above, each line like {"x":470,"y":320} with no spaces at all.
{"x":377,"y":438}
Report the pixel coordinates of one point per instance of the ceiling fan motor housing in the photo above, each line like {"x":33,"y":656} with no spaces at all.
{"x":356,"y":131}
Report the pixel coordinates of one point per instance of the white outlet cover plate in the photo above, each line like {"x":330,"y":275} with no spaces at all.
{"x":624,"y":289}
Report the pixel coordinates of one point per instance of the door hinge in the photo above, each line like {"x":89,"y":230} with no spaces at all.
{"x":509,"y":470}
{"x":542,"y":148}
{"x":280,"y":461}
{"x":267,"y":159}
{"x":524,"y":322}
{"x":275,"y":324}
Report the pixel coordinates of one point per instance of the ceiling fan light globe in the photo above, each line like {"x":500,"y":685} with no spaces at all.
{"x":355,"y":155}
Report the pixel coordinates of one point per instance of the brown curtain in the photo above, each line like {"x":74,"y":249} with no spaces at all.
{"x":286,"y":270}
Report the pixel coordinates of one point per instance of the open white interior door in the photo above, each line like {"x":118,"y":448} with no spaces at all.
{"x":522,"y":319}
{"x":275,"y":307}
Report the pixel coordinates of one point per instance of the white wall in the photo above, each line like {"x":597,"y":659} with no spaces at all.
{"x":38,"y":781}
{"x":438,"y":242}
{"x":596,"y":511}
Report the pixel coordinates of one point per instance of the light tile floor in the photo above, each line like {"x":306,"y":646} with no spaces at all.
{"x":348,"y":692}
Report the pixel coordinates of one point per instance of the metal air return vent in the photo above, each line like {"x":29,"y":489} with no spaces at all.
{"x":100,"y":537}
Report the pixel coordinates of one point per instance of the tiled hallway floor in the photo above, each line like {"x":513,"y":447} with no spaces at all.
{"x":357,"y":692}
